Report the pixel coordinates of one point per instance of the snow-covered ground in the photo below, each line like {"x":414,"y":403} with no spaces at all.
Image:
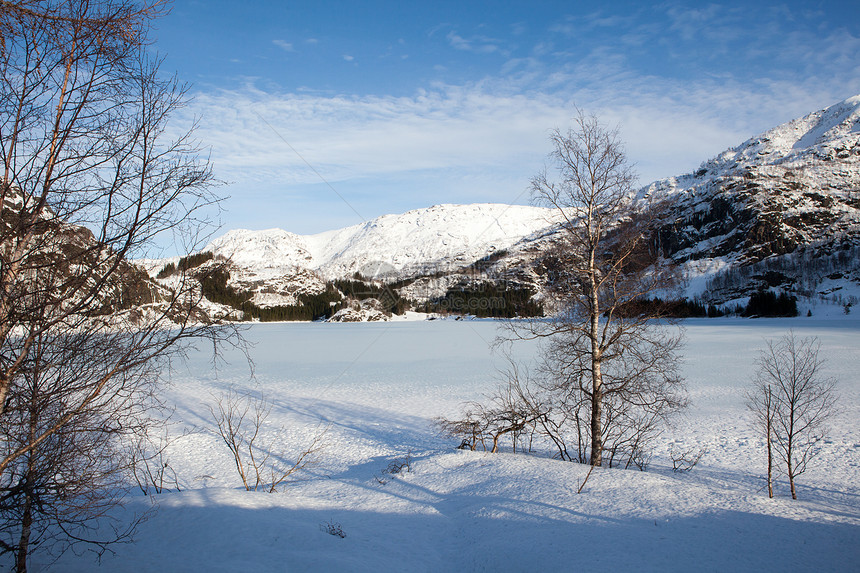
{"x":380,"y":384}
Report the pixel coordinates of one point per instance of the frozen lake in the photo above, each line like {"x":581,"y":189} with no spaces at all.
{"x":423,"y":368}
{"x":387,"y":381}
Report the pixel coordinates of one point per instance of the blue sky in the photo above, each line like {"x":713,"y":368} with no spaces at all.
{"x":321,"y":114}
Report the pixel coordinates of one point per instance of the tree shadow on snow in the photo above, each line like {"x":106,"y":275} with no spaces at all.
{"x":217,"y":531}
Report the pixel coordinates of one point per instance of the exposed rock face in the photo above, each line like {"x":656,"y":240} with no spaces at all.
{"x":795,"y":185}
{"x":367,"y":310}
{"x":791,"y":192}
{"x":65,"y":268}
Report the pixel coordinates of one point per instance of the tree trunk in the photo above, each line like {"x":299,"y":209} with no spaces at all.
{"x":770,"y":460}
{"x":596,"y":414}
{"x":29,"y":483}
{"x":24,"y":541}
{"x":789,"y":450}
{"x":791,"y":479}
{"x":596,"y":375}
{"x":4,"y":388}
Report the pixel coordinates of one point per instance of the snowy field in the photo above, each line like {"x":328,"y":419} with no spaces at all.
{"x":379,"y":385}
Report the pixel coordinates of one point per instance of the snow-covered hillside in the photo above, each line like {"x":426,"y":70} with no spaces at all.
{"x":824,"y":145}
{"x":438,"y":237}
{"x":794,"y":185}
{"x":779,"y":205}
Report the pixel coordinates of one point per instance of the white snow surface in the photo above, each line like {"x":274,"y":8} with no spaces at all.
{"x":442,"y":236}
{"x":379,"y":385}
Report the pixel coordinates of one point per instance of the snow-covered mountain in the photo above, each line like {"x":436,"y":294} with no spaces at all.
{"x":442,"y":237}
{"x":781,"y":210}
{"x":797,"y":183}
{"x":773,"y":210}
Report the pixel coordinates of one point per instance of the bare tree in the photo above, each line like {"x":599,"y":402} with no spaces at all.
{"x":511,"y":411}
{"x":149,"y":466}
{"x":240,"y":418}
{"x":685,"y":460}
{"x":608,"y":378}
{"x":761,"y":403}
{"x":604,"y":351}
{"x":63,"y":488}
{"x":552,"y":410}
{"x":791,"y":401}
{"x":89,"y":179}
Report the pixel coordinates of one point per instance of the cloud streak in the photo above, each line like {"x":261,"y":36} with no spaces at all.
{"x":477,"y":44}
{"x":669,"y":127}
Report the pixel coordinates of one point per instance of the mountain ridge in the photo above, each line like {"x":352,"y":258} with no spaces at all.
{"x":442,"y":236}
{"x":791,"y":191}
{"x":773,"y":212}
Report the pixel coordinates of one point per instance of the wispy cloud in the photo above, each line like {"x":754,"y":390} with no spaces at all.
{"x":482,"y":140}
{"x":284,"y":45}
{"x":704,"y":21}
{"x":471,"y":130}
{"x":477,"y":44}
{"x":358,"y":137}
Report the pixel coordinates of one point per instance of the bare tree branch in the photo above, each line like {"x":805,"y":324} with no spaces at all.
{"x":240,"y":419}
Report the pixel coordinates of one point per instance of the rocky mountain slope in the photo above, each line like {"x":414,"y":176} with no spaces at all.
{"x":775,"y":211}
{"x":53,"y":270}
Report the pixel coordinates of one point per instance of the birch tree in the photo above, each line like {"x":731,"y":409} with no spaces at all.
{"x":602,"y":344}
{"x":89,"y":179}
{"x":792,"y":400}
